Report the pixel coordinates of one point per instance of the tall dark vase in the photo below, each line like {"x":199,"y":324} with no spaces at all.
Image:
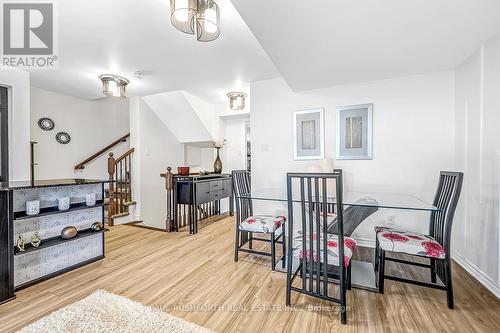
{"x":218,"y":163}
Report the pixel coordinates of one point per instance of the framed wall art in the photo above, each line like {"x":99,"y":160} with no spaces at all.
{"x":308,"y":134}
{"x":355,"y":132}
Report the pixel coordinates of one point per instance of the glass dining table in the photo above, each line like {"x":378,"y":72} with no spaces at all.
{"x":362,"y":272}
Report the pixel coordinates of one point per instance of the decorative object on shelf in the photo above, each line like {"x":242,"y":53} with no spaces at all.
{"x":200,"y":17}
{"x":354,"y":132}
{"x":36,"y":239}
{"x":96,"y":226}
{"x":114,"y":85}
{"x":63,"y":203}
{"x":32,"y":207}
{"x":183,"y":171}
{"x":218,"y":162}
{"x":20,"y":243}
{"x":204,"y":173}
{"x":69,"y":232}
{"x":63,"y":138}
{"x":236,"y":100}
{"x":308,"y":135}
{"x":46,"y":124}
{"x":90,"y":199}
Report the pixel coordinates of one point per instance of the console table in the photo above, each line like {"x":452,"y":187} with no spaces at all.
{"x":196,"y":197}
{"x":54,"y":255}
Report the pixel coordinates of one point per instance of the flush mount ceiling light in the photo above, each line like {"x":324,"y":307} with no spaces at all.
{"x":236,"y":100}
{"x":114,"y":85}
{"x":200,"y":17}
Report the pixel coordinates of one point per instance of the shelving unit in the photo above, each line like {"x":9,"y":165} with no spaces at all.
{"x":54,"y":210}
{"x":58,"y":240}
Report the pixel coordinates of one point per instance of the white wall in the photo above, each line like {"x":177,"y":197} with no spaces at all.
{"x":19,"y":122}
{"x":92,"y":125}
{"x":413,"y":126}
{"x":477,"y":104}
{"x":156,"y":149}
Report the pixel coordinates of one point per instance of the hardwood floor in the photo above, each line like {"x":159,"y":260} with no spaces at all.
{"x":194,"y":277}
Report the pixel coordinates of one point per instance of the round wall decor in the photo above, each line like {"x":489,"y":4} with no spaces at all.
{"x":63,"y":138}
{"x":46,"y":124}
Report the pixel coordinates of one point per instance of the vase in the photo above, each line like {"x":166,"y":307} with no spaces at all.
{"x":63,"y":203}
{"x":32,"y":207}
{"x":218,"y":163}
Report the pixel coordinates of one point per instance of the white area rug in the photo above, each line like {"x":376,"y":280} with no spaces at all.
{"x":106,"y":312}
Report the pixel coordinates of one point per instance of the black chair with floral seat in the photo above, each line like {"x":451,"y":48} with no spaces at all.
{"x":314,"y":255}
{"x":435,"y":246}
{"x":248,"y":224}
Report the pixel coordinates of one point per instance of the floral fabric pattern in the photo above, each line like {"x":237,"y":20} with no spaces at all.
{"x":395,"y":240}
{"x":262,"y":223}
{"x":332,"y":249}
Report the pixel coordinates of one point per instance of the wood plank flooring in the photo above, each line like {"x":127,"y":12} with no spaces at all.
{"x":194,"y":277}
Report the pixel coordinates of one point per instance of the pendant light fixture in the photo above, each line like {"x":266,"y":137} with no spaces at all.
{"x":114,"y":85}
{"x":200,"y":17}
{"x":236,"y":100}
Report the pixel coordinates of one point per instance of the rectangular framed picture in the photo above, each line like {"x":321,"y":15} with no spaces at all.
{"x":355,"y":132}
{"x":308,"y":134}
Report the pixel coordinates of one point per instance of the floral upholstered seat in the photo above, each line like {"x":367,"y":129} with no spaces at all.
{"x":262,"y":223}
{"x":395,"y":240}
{"x":332,"y":249}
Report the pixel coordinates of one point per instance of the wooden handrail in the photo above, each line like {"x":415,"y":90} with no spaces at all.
{"x":82,"y":164}
{"x":128,"y":152}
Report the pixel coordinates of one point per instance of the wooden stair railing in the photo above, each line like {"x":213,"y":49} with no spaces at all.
{"x":120,"y":187}
{"x":82,"y":164}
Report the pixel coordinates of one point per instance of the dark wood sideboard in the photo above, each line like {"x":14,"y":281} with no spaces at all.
{"x":196,"y":197}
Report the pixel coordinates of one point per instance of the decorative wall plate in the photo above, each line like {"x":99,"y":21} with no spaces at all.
{"x":63,"y":138}
{"x":46,"y":124}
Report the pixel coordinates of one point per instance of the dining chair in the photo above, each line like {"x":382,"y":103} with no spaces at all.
{"x":317,"y":255}
{"x":247,"y":224}
{"x":435,"y":246}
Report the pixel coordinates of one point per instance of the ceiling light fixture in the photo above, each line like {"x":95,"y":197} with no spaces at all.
{"x":236,"y":100}
{"x":114,"y":85}
{"x":200,"y":17}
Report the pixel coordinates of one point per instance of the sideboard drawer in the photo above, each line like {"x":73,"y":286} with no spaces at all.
{"x":203,"y":193}
{"x":216,"y":185}
{"x":216,"y":195}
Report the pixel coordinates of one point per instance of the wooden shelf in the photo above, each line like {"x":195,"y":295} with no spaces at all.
{"x":54,"y":210}
{"x":52,"y":241}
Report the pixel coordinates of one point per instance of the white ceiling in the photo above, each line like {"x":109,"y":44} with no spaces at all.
{"x":123,"y":36}
{"x":320,"y":43}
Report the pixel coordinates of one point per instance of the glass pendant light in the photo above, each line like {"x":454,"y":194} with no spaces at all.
{"x":236,"y":100}
{"x":200,"y":17}
{"x":114,"y":85}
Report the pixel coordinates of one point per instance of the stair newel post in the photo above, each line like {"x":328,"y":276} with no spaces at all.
{"x":169,"y":188}
{"x":112,"y":197}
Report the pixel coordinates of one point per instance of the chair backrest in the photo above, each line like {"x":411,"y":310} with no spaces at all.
{"x":446,"y":200}
{"x":313,"y":193}
{"x":241,"y":188}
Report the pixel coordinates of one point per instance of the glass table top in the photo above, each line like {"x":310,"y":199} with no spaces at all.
{"x":360,"y":199}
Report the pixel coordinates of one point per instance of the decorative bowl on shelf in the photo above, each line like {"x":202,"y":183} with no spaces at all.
{"x":63,"y":203}
{"x":183,"y":171}
{"x":32,"y":207}
{"x":96,"y":226}
{"x":69,"y":232}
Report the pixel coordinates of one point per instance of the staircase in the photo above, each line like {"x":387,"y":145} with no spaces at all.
{"x":118,"y":193}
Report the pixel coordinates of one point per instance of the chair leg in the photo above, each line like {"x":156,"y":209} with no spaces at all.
{"x":349,"y":276}
{"x":343,"y":304}
{"x":236,"y":243}
{"x":381,"y":271}
{"x":250,"y":240}
{"x":449,"y":284}
{"x":433,"y":270}
{"x":284,"y":246}
{"x":376,"y":254}
{"x":273,"y":251}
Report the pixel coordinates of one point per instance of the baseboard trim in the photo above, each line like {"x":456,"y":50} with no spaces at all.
{"x":477,"y":273}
